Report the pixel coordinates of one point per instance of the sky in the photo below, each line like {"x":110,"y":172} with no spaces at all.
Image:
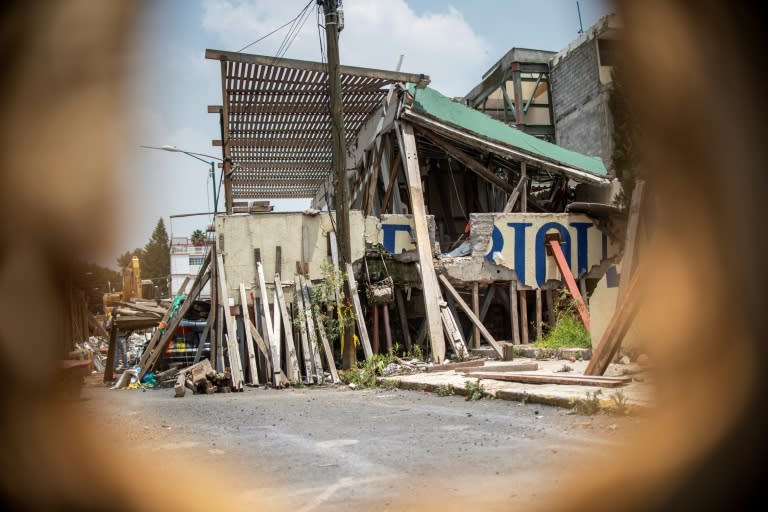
{"x":170,"y":83}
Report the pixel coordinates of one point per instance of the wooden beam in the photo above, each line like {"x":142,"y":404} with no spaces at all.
{"x":158,"y":332}
{"x":432,"y":294}
{"x":513,"y":313}
{"x":570,"y":283}
{"x":274,"y":345}
{"x":578,"y":380}
{"x":633,"y":222}
{"x":453,"y":332}
{"x":326,"y":345}
{"x":524,"y":192}
{"x":524,"y":317}
{"x":490,"y":293}
{"x":292,"y":365}
{"x":301,"y":315}
{"x":318,"y":67}
{"x":400,"y":301}
{"x":466,"y":160}
{"x":233,"y":350}
{"x":253,"y":371}
{"x":614,"y":334}
{"x":109,"y":366}
{"x":468,"y":311}
{"x":361,"y":329}
{"x":515,"y":195}
{"x":317,"y":363}
{"x":263,"y":347}
{"x":476,"y":311}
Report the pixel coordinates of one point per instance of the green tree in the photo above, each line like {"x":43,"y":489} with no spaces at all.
{"x":156,"y":264}
{"x":124,"y":259}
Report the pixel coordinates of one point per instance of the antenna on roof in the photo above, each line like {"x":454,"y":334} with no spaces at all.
{"x":581,"y":26}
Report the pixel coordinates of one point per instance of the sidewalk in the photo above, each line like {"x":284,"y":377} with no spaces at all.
{"x":638,"y":395}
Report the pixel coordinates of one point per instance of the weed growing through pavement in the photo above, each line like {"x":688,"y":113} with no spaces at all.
{"x":590,"y":405}
{"x":445,"y":390}
{"x":475,"y":390}
{"x":620,"y":402}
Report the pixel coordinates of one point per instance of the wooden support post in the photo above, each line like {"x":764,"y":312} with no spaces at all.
{"x":453,"y":332}
{"x":562,"y":264}
{"x":476,"y":311}
{"x":539,"y":333}
{"x":233,"y":351}
{"x":617,"y":328}
{"x":515,"y":195}
{"x":361,"y":329}
{"x":374,"y":308}
{"x":214,"y":312}
{"x":524,"y":193}
{"x":292,"y":364}
{"x":489,"y":295}
{"x":158,"y":332}
{"x":524,"y":317}
{"x":263,"y":349}
{"x":277,"y":329}
{"x":551,"y":320}
{"x":278,"y":259}
{"x":204,"y":336}
{"x":253,"y":371}
{"x":487,"y":335}
{"x":432,"y":295}
{"x":387,"y":328}
{"x":514,"y":312}
{"x":400,"y":301}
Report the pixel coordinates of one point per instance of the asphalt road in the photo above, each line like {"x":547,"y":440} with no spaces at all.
{"x":339,"y":449}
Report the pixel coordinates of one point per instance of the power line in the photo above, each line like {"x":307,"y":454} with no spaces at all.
{"x":278,"y":28}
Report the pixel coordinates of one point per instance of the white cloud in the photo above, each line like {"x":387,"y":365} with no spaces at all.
{"x":440,"y":44}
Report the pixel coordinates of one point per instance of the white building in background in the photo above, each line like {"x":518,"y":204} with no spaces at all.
{"x":186,"y":260}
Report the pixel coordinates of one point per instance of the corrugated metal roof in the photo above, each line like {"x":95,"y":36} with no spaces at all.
{"x":433,"y":104}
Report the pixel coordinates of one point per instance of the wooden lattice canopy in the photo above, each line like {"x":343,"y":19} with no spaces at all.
{"x":276,"y":123}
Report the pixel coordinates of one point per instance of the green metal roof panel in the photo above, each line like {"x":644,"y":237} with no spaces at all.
{"x":434,"y":104}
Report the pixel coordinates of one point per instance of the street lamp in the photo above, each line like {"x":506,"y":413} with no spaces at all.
{"x":212,"y":163}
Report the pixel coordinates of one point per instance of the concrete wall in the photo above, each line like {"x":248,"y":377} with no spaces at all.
{"x":517,"y":241}
{"x":301,"y":238}
{"x":580,"y":88}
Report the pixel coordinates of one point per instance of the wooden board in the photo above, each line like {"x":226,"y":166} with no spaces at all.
{"x":362,"y":330}
{"x":517,"y":367}
{"x":292,"y":365}
{"x":158,"y":333}
{"x":580,"y":380}
{"x":233,"y":351}
{"x":301,"y":316}
{"x":455,"y":366}
{"x":570,"y":283}
{"x":317,"y":363}
{"x":448,"y":286}
{"x":263,"y":347}
{"x":400,"y":301}
{"x":453,"y":332}
{"x":513,"y":313}
{"x":268,"y":324}
{"x":326,"y":347}
{"x":432,"y":294}
{"x":253,"y":371}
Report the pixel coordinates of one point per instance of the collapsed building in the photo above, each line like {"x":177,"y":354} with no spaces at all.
{"x":464,"y":223}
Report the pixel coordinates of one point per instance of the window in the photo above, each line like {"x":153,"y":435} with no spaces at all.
{"x":196,"y":260}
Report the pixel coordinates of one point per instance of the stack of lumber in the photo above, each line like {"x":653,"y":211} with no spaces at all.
{"x":202,"y":379}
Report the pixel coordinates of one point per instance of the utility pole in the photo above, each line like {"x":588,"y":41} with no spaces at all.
{"x":341,"y":186}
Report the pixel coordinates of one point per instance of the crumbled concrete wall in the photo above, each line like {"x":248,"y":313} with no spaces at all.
{"x":517,"y":241}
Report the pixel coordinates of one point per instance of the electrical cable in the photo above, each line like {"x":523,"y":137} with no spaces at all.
{"x":278,"y":28}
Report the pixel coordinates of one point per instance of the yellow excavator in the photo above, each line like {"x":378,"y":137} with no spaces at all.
{"x":133,"y":287}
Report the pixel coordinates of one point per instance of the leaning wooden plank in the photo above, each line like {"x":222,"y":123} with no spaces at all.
{"x":268,"y":325}
{"x":615,"y":332}
{"x":277,"y":330}
{"x":96,"y":327}
{"x":253,"y":371}
{"x":570,"y":283}
{"x":633,"y":223}
{"x":514,"y":195}
{"x":109,"y":366}
{"x":317,"y":363}
{"x":158,"y":332}
{"x":552,"y":379}
{"x":468,"y":310}
{"x":454,"y":366}
{"x":180,"y":388}
{"x":400,"y":300}
{"x":292,"y":365}
{"x":453,"y":332}
{"x":432,"y":295}
{"x":361,"y":328}
{"x":303,"y":331}
{"x":170,"y":330}
{"x":204,"y":336}
{"x":233,"y":351}
{"x":263,"y":347}
{"x":326,"y":346}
